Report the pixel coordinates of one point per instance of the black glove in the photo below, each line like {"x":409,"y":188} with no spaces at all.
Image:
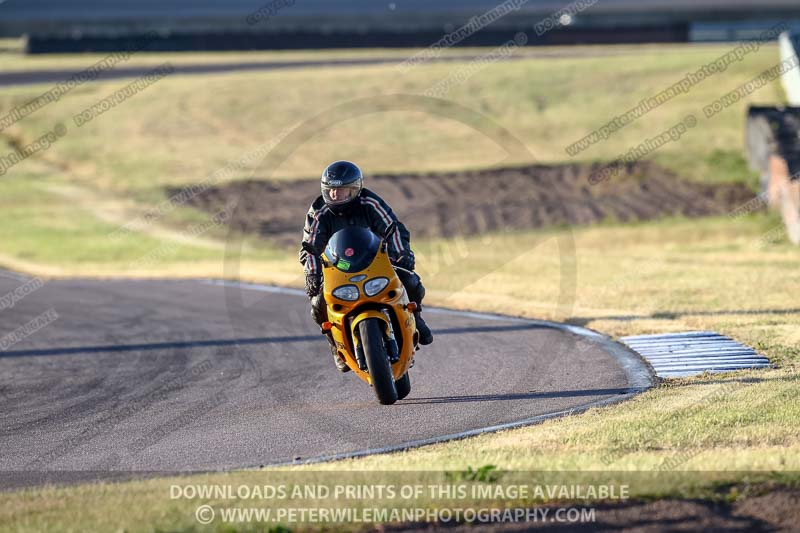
{"x":313,"y":284}
{"x":405,"y":260}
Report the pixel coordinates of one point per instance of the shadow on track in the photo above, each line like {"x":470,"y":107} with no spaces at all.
{"x":516,"y":396}
{"x":226,"y":342}
{"x":159,"y":346}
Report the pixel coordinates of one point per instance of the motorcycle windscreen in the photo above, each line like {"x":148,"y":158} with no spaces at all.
{"x":352,"y":249}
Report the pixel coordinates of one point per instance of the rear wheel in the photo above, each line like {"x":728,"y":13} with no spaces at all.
{"x":380,"y":370}
{"x":403,"y":386}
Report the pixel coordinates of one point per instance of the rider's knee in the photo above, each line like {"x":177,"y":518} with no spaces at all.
{"x":413,"y":284}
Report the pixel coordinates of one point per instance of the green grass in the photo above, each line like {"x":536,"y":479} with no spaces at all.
{"x":52,"y":234}
{"x":180,"y":129}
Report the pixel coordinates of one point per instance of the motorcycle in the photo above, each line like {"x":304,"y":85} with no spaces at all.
{"x":370,"y":317}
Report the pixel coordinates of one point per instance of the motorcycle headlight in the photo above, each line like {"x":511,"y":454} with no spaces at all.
{"x":375,"y":285}
{"x":346,"y":292}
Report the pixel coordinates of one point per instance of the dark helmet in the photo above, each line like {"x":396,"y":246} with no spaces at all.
{"x":341,"y":183}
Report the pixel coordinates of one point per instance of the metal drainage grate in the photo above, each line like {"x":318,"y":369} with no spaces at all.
{"x":675,"y":355}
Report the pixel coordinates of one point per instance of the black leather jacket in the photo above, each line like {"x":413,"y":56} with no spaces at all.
{"x":368,"y":210}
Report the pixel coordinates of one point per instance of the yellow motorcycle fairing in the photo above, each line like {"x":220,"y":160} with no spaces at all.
{"x":392,"y":298}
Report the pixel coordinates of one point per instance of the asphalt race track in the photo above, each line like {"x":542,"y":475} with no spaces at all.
{"x":150,"y":377}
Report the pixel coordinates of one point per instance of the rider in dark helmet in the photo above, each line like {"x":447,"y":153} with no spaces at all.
{"x":345,"y":202}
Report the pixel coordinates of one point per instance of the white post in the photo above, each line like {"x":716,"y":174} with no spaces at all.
{"x":789,"y":45}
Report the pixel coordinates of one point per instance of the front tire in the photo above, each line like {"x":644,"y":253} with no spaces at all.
{"x":380,"y":369}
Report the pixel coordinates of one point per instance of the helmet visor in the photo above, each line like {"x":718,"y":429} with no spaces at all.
{"x":341,"y":194}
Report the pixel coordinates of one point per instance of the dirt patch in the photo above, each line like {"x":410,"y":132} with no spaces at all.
{"x":776,"y":511}
{"x":475,"y":202}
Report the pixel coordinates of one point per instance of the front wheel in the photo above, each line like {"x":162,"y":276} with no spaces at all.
{"x":380,"y":369}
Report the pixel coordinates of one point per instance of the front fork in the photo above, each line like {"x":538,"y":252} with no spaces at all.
{"x":390,"y":342}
